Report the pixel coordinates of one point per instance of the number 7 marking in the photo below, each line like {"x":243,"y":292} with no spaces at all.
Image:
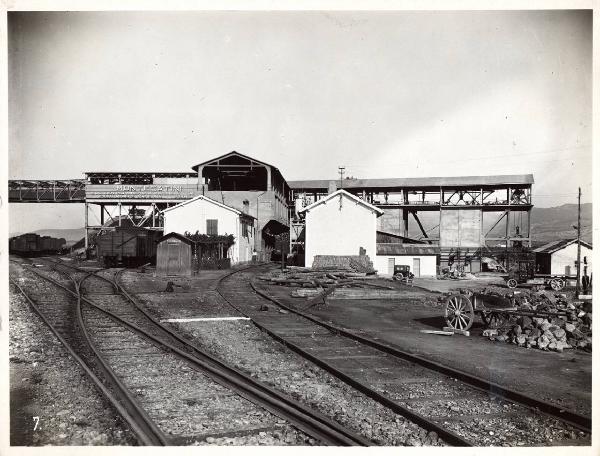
{"x":36,"y":419}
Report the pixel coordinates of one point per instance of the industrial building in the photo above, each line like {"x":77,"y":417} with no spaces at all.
{"x":462,"y":216}
{"x":458,"y":218}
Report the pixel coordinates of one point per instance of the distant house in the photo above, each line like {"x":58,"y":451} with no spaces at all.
{"x":421,"y":258}
{"x":340,"y":224}
{"x":560,"y":257}
{"x":207,"y":216}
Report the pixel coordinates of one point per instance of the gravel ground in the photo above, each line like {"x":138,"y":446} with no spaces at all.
{"x":46,"y":382}
{"x":186,"y":405}
{"x":243,"y":345}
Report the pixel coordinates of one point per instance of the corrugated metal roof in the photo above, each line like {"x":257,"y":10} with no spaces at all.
{"x":554,"y":246}
{"x":407,"y":249}
{"x":416,"y":182}
{"x":382,"y":235}
{"x":228,"y":154}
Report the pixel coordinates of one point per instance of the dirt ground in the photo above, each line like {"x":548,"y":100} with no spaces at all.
{"x":564,"y":379}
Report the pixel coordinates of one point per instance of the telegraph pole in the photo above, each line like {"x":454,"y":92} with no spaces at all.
{"x":341,"y":172}
{"x":577,"y":286}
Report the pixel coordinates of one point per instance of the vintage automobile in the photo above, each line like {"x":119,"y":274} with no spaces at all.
{"x":525,"y":274}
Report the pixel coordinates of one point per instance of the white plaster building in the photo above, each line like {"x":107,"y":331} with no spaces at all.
{"x":207,"y":216}
{"x":422,"y":259}
{"x":560,"y":257}
{"x":340,"y":224}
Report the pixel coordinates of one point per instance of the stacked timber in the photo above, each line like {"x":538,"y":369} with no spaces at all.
{"x":356,"y":263}
{"x":336,"y":283}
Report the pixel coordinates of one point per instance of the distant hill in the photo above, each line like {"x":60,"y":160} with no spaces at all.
{"x":553,"y":223}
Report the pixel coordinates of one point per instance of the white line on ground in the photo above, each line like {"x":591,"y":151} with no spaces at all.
{"x":186,"y":320}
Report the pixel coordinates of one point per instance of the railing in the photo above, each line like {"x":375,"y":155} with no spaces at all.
{"x":23,"y":191}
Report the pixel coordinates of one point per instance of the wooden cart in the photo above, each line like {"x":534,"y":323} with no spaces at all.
{"x":495,"y":311}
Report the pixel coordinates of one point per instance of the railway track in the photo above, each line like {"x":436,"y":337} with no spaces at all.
{"x":55,"y":308}
{"x":463,"y":410}
{"x":122,"y":331}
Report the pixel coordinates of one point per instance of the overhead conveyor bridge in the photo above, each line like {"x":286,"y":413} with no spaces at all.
{"x":46,"y":191}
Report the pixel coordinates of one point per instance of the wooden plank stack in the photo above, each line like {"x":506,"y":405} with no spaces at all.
{"x":347,"y":284}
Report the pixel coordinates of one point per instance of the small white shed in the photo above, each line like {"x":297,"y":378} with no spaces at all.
{"x":207,"y":216}
{"x":560,"y":257}
{"x":340,"y":224}
{"x":422,"y":259}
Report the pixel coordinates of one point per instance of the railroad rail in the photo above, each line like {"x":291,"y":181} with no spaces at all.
{"x":316,"y":340}
{"x":103,"y":377}
{"x":139,"y":321}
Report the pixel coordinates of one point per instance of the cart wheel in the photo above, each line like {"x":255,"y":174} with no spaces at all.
{"x":459,"y":312}
{"x":494,"y":320}
{"x":555,"y":284}
{"x":511,"y":283}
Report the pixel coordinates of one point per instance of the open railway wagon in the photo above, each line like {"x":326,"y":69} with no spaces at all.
{"x":32,"y":244}
{"x":460,"y":310}
{"x":129,"y":246}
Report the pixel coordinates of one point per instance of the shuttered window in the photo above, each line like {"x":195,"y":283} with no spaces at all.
{"x":212,"y":226}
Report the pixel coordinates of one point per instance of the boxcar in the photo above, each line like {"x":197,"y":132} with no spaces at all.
{"x":128,"y":246}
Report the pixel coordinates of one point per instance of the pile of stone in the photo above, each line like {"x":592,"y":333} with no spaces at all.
{"x":551,"y":321}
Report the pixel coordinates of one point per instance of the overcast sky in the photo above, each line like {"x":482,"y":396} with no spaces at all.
{"x":386,"y":94}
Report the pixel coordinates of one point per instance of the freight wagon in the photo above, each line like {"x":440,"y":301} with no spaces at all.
{"x":32,"y":244}
{"x":127,"y":245}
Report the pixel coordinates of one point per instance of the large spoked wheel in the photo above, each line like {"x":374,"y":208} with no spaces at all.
{"x":459,"y":312}
{"x":511,"y":283}
{"x":557,"y":284}
{"x":494,"y":320}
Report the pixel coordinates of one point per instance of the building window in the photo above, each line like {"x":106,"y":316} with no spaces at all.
{"x":244,"y":229}
{"x":212,"y":227}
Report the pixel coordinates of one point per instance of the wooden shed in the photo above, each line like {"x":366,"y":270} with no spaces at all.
{"x":174,"y":255}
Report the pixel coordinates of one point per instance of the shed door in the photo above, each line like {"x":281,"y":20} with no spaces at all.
{"x":391,"y":264}
{"x":417,"y":267}
{"x":173,"y":257}
{"x":567,"y":270}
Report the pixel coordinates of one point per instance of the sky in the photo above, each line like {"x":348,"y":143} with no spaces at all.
{"x":385,"y":94}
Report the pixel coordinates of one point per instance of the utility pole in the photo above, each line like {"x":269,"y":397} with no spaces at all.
{"x":577,"y":286}
{"x":341,"y":172}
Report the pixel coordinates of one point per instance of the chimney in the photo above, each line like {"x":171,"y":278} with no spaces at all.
{"x":332,"y":187}
{"x":246,"y":209}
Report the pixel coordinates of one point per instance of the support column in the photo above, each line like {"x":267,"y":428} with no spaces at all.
{"x":200,"y":169}
{"x":269,"y":183}
{"x":405,"y":222}
{"x":119,"y":214}
{"x":102,"y":214}
{"x":507,"y":226}
{"x":529,"y":228}
{"x":86,"y":225}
